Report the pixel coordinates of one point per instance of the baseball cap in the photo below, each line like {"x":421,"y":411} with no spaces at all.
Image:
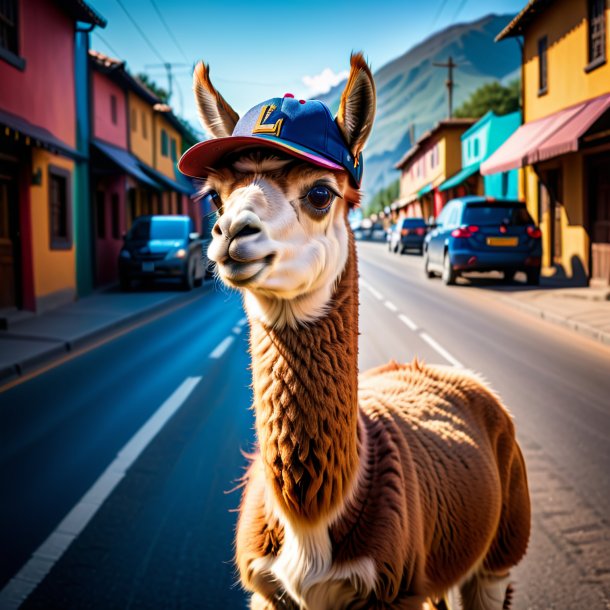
{"x":301,"y":128}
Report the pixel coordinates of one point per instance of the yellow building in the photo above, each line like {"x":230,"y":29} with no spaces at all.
{"x":436,"y":156}
{"x":564,"y":143}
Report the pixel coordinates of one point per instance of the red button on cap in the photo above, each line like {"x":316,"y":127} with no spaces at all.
{"x":301,"y":101}
{"x":288,"y":95}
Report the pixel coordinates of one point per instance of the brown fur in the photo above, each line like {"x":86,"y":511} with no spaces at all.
{"x":444,"y":485}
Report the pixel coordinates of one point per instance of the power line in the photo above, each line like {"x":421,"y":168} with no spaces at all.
{"x":135,"y":24}
{"x":459,"y":9}
{"x":117,"y":55}
{"x":438,"y":13}
{"x":168,"y":30}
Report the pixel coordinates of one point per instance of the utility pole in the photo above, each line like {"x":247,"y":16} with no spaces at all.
{"x":170,"y":77}
{"x":449,"y":82}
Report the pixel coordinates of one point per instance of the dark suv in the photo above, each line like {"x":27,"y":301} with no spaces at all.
{"x":483,"y":234}
{"x":162,"y":247}
{"x":408,"y":234}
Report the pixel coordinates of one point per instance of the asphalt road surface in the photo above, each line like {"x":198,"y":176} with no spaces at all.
{"x":117,"y":467}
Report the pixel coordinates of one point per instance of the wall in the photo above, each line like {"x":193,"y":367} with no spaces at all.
{"x":103,"y":127}
{"x":47,"y":45}
{"x":54,"y":270}
{"x":165,"y":164}
{"x":141,"y":146}
{"x":565,"y":24}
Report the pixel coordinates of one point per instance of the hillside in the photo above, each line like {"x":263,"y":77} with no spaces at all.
{"x":410,"y":90}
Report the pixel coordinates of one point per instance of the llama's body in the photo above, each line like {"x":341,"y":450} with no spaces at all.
{"x":378,"y":492}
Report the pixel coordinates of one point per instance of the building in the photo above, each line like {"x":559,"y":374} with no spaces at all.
{"x":436,"y":156}
{"x":478,"y":143}
{"x":564,"y":144}
{"x":41,"y":152}
{"x":134,"y":152}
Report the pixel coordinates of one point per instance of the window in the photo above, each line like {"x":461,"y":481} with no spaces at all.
{"x":596,"y":33}
{"x":116,"y":217}
{"x":164,"y":144}
{"x":476,"y":147}
{"x":504,"y":184}
{"x":60,"y":208}
{"x":100,"y":214}
{"x":543,"y":44}
{"x":174,"y":150}
{"x":9,"y":33}
{"x":144,"y":126}
{"x":134,"y":119}
{"x":113,"y":109}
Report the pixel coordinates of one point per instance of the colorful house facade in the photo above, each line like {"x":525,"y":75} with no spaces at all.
{"x":435,"y":157}
{"x":40,"y":151}
{"x":563,"y":147}
{"x":134,"y":152}
{"x":478,"y":143}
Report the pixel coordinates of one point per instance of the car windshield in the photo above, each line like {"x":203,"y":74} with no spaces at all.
{"x":413,"y":222}
{"x":157,"y":228}
{"x":488,"y":215}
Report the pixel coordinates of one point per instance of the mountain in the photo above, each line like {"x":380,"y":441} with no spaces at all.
{"x":411,"y":91}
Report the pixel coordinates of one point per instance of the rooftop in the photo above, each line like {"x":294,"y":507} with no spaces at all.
{"x":517,"y":26}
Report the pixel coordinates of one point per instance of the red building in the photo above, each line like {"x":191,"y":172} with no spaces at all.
{"x":39,"y":152}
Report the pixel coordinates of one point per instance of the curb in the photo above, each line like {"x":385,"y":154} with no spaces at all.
{"x":584,"y":329}
{"x":18,"y":369}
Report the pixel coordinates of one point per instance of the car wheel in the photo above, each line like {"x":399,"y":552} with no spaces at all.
{"x":449,"y":273}
{"x":533,"y":277}
{"x":508,"y":276}
{"x":188,"y":280}
{"x":429,"y":274}
{"x":124,"y":283}
{"x":198,"y":281}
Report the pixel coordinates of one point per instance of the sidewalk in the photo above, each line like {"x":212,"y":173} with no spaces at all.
{"x":584,"y":310}
{"x":33,"y":340}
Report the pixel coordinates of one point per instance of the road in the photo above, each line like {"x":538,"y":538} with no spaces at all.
{"x":156,"y":419}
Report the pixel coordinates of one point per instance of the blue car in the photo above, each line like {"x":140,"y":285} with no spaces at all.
{"x":483,"y":234}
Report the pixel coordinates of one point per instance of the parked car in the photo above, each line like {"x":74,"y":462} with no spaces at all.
{"x":483,"y":234}
{"x":369,"y":231}
{"x":407,"y":234}
{"x":162,"y":247}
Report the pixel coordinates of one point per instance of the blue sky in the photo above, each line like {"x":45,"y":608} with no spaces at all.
{"x":260,"y":50}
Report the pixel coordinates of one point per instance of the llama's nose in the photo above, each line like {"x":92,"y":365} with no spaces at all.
{"x":231,"y":227}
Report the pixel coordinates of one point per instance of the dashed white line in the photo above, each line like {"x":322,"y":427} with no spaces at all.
{"x":242,"y":322}
{"x":391,"y":306}
{"x":441,"y":350}
{"x":372,"y":290}
{"x":407,"y":321}
{"x":236,"y":330}
{"x":222,"y":347}
{"x":50,"y":551}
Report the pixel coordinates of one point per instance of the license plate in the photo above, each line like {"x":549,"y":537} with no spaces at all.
{"x":148,"y":267}
{"x":502,"y":241}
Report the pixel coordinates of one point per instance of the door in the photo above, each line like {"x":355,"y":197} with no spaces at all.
{"x":599,"y":211}
{"x":10,"y":270}
{"x":554,"y":186}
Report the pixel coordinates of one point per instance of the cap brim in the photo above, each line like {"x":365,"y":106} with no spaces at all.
{"x":197,"y":160}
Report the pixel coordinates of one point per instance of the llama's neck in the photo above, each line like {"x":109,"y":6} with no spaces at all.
{"x":305,"y":390}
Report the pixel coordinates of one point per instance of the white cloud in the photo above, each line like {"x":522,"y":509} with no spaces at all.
{"x":323,"y":82}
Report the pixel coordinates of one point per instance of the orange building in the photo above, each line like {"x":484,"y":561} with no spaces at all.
{"x":564,"y":144}
{"x":436,"y":156}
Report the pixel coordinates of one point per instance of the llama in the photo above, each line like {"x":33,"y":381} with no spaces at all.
{"x":384,"y":490}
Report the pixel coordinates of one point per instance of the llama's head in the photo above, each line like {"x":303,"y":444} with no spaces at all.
{"x":283,"y":178}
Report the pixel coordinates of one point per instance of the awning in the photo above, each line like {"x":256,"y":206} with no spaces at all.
{"x":181,"y":184}
{"x":458,"y":178}
{"x":565,"y":139}
{"x":126,"y":161}
{"x":424,"y":191}
{"x":40,"y":136}
{"x":548,"y":137}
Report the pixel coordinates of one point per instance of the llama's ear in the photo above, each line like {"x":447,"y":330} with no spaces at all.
{"x":357,"y":109}
{"x":217,"y":117}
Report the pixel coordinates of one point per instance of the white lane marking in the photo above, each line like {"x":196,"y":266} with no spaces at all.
{"x":221,"y":348}
{"x":441,"y":350}
{"x":407,"y":321}
{"x":372,"y":290}
{"x":242,"y":322}
{"x":391,"y":306}
{"x":51,"y":550}
{"x":237,"y":330}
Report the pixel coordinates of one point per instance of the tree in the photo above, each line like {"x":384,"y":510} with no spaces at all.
{"x":491,"y":96}
{"x":161,"y":93}
{"x":382,"y":198}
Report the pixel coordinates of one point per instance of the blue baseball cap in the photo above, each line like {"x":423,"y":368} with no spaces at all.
{"x":301,"y":128}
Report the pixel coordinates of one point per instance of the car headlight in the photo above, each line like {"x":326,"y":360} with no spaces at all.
{"x":125,"y":254}
{"x":179,"y":253}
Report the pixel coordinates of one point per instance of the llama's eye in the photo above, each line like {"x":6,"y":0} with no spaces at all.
{"x":214,"y":199}
{"x":320,"y":197}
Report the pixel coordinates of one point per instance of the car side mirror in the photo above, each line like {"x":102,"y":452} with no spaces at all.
{"x":193,"y":236}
